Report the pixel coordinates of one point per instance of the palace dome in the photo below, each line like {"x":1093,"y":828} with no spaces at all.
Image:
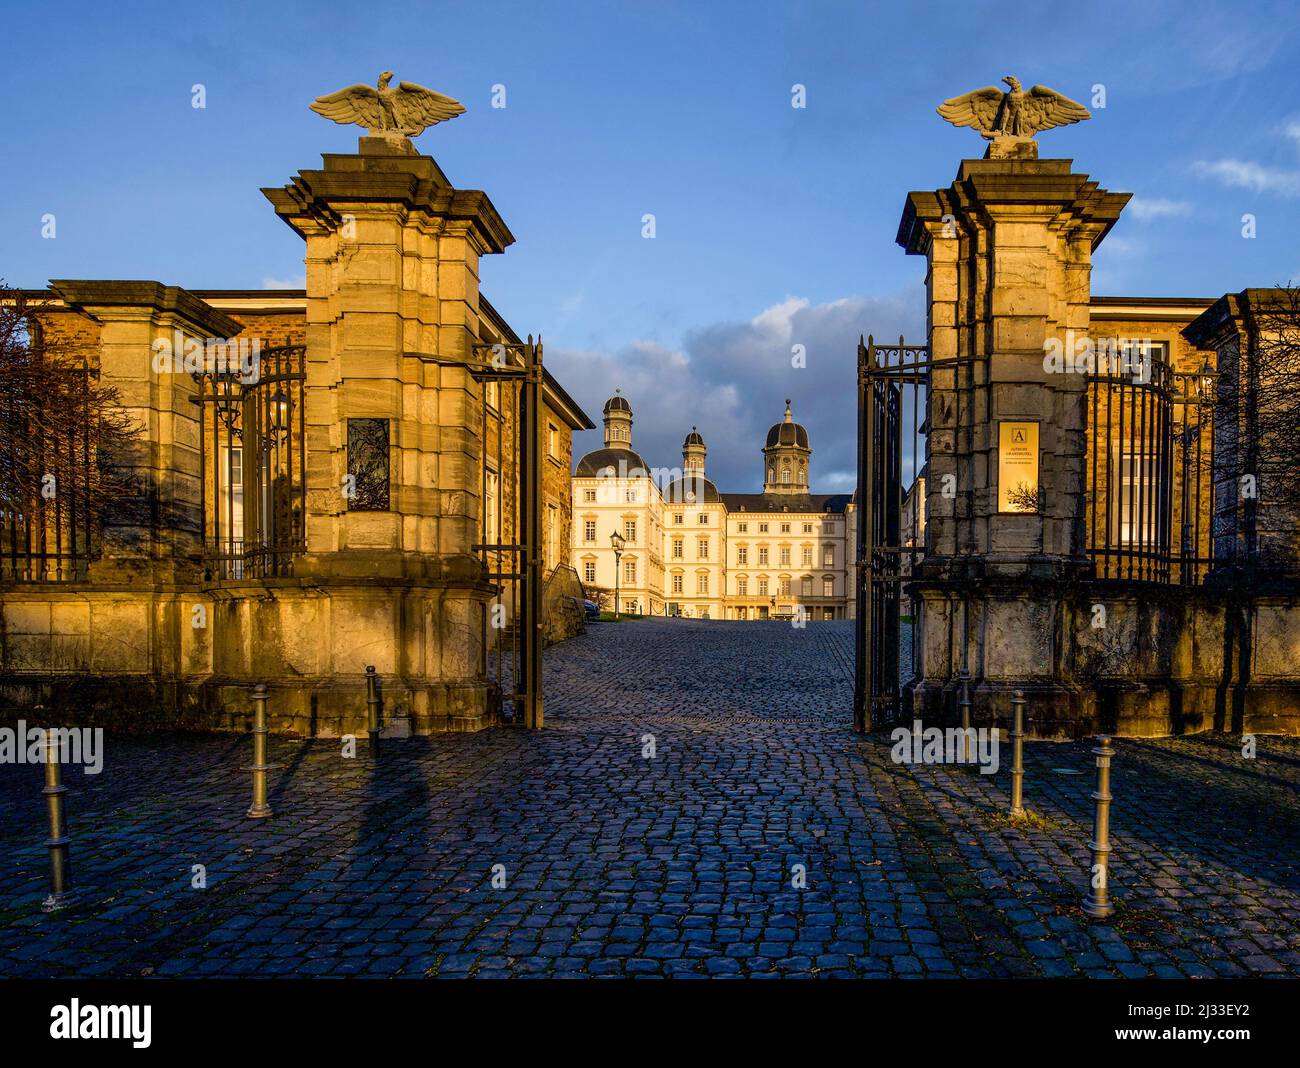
{"x":625,"y":462}
{"x":691,"y":489}
{"x":617,"y":403}
{"x":787,"y":432}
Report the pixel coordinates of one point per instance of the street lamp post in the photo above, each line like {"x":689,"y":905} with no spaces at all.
{"x":617,"y":541}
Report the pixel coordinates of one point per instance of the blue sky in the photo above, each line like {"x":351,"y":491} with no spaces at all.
{"x":774,"y":225}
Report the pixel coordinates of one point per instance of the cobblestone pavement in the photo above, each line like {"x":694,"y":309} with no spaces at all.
{"x":678,"y":865}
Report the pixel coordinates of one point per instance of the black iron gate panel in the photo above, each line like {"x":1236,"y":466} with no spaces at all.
{"x":49,"y":472}
{"x":1149,"y":469}
{"x":510,"y":528}
{"x":253,"y":458}
{"x":893,"y":383}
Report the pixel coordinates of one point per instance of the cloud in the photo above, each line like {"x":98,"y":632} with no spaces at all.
{"x":731,"y":380}
{"x":1146,"y":208}
{"x":1253,"y":176}
{"x":300,"y":282}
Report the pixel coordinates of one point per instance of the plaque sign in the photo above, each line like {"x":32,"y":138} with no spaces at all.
{"x":1017,"y":467}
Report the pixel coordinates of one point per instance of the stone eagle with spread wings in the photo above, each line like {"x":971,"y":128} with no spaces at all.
{"x":1010,"y":119}
{"x":393,"y":113}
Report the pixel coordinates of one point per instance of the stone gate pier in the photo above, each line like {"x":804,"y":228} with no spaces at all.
{"x":1073,"y":526}
{"x":359,"y":484}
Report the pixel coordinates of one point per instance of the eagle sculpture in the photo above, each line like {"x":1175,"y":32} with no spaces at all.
{"x":1010,"y":119}
{"x":391,"y":113}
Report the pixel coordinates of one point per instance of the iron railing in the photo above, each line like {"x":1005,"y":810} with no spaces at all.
{"x":1150,"y":443}
{"x":254,"y":464}
{"x":47,"y":523}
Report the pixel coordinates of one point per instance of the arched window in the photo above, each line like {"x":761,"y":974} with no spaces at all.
{"x":785,"y":475}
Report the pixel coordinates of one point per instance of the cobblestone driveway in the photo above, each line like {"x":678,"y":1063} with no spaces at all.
{"x":678,"y":865}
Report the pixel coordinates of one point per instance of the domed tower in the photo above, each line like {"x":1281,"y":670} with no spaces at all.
{"x":618,"y":422}
{"x":693,"y":487}
{"x":693,"y":451}
{"x":785,"y":457}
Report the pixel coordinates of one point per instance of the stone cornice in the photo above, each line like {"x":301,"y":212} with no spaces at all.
{"x":416,"y":183}
{"x":93,"y":297}
{"x":1229,"y":316}
{"x":981,"y":184}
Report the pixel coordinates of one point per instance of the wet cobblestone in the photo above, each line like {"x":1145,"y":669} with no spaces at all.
{"x":680,"y":865}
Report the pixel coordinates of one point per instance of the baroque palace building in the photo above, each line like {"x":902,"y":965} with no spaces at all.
{"x":690,"y":550}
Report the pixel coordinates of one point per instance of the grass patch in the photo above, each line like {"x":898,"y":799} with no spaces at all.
{"x":1031,"y":820}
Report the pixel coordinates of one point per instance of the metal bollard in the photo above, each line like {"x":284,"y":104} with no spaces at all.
{"x":1017,"y":753}
{"x":58,"y":840}
{"x":1096,"y":902}
{"x":372,"y":708}
{"x":259,"y":809}
{"x":964,"y":703}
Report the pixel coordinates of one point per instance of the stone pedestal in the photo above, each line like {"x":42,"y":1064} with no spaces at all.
{"x":1009,"y":246}
{"x":392,"y":292}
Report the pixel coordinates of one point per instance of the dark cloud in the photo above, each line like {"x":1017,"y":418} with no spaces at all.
{"x":731,"y":380}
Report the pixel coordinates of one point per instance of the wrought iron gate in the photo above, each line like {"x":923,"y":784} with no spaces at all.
{"x":253,"y":464}
{"x":893,"y":389}
{"x":510,"y":527}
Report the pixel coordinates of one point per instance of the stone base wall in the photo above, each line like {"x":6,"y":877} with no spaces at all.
{"x":1137,"y":661}
{"x":562,"y":613}
{"x":141,"y":659}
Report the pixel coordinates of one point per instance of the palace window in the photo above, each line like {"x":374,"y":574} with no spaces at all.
{"x":629,"y":529}
{"x":704,"y":519}
{"x":589,"y":496}
{"x":784,"y":588}
{"x":491,"y":490}
{"x":589,"y":530}
{"x":785,"y":475}
{"x":552,"y":440}
{"x":828,"y":586}
{"x":677,"y":548}
{"x":629,"y":572}
{"x":807,"y":528}
{"x":702,"y":583}
{"x":742,"y":528}
{"x":762,"y":528}
{"x":589,"y":571}
{"x":677,"y":582}
{"x":742,"y":555}
{"x":805,"y":586}
{"x":702,"y":548}
{"x":828,"y":556}
{"x":785,"y":556}
{"x":742,"y":586}
{"x":678,"y":518}
{"x":785,"y":528}
{"x":807,"y":556}
{"x":762,"y":586}
{"x":1133,"y":510}
{"x":762,"y":556}
{"x":631,"y":495}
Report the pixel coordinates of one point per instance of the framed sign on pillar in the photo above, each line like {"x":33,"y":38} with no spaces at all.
{"x":1017,"y":466}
